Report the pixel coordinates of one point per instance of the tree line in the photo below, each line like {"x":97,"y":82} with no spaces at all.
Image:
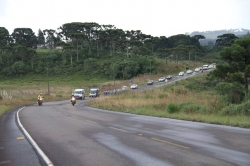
{"x":91,"y":48}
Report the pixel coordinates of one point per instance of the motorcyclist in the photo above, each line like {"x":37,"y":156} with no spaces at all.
{"x":72,"y":96}
{"x":39,"y":96}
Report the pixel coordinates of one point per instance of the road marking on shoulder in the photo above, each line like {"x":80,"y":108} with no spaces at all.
{"x":118,"y":129}
{"x":140,"y":134}
{"x":20,"y":138}
{"x":32,"y":142}
{"x":156,"y":139}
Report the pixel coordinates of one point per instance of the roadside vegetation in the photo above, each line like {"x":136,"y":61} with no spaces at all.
{"x":193,"y":99}
{"x":85,"y":55}
{"x":23,"y":90}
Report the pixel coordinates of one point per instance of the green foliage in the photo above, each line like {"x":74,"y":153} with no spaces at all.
{"x":173,"y":108}
{"x":194,"y":85}
{"x":233,"y":109}
{"x":234,"y":92}
{"x":18,"y":67}
{"x":4,"y":37}
{"x":235,"y":66}
{"x":132,"y":51}
{"x":40,"y":38}
{"x":192,"y":108}
{"x":25,"y":37}
{"x":225,"y":40}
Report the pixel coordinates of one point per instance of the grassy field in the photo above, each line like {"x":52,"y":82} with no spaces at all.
{"x":192,"y":99}
{"x":195,"y":101}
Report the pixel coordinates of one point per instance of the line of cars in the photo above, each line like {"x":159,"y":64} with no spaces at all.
{"x":161,"y":79}
{"x":204,"y":67}
{"x":182,"y":73}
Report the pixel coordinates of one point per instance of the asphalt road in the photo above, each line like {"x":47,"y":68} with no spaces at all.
{"x":83,"y":136}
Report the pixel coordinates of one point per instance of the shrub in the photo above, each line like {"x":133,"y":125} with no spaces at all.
{"x":233,"y":109}
{"x":193,"y":108}
{"x":194,"y":85}
{"x":18,"y":67}
{"x":233,"y":91}
{"x":172,"y":108}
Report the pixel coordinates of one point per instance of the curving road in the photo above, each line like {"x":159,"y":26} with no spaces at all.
{"x":83,"y":136}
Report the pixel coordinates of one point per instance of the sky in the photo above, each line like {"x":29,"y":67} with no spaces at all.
{"x":152,"y":17}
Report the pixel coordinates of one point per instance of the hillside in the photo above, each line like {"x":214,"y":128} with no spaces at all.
{"x":211,"y":36}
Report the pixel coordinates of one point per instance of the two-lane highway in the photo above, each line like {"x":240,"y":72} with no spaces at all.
{"x":80,"y":135}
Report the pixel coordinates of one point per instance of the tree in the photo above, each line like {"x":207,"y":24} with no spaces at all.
{"x":18,"y":67}
{"x":4,"y":40}
{"x":179,"y":50}
{"x":25,"y":37}
{"x":225,"y":40}
{"x":40,"y":38}
{"x":198,"y":37}
{"x":236,"y":66}
{"x":50,"y":37}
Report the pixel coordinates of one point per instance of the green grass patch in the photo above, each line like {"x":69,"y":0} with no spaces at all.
{"x":4,"y":108}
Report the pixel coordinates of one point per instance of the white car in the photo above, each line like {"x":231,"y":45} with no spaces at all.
{"x":197,"y":69}
{"x":210,"y":66}
{"x":124,"y":88}
{"x":205,"y":67}
{"x":161,"y":79}
{"x":181,"y":73}
{"x":189,"y":72}
{"x":134,"y":86}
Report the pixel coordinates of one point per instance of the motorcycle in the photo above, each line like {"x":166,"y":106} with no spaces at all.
{"x":73,"y":100}
{"x":40,"y":101}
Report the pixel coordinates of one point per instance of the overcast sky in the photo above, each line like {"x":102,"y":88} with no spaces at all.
{"x":153,"y":17}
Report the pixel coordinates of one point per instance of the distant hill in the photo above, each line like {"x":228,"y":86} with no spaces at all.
{"x":212,"y":35}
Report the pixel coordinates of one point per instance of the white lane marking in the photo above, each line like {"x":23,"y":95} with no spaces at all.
{"x":33,"y":143}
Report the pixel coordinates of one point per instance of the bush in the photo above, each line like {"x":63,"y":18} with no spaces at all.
{"x":172,"y":108}
{"x":193,"y":108}
{"x":233,"y":91}
{"x":195,"y":85}
{"x":233,"y":109}
{"x":18,"y":67}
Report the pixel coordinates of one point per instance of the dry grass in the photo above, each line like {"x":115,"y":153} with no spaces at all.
{"x":155,"y":103}
{"x":13,"y":96}
{"x":150,"y":98}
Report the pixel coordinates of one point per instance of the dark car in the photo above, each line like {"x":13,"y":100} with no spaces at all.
{"x":150,"y":82}
{"x":169,"y":77}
